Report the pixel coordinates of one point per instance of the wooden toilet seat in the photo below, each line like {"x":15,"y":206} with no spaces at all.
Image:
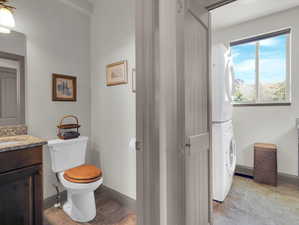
{"x":83,"y":174}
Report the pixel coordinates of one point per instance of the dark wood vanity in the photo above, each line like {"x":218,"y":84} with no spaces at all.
{"x":21,"y":185}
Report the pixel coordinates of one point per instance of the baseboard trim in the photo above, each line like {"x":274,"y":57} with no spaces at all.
{"x":244,"y":170}
{"x":282,"y":177}
{"x":51,"y":201}
{"x":121,"y":198}
{"x":115,"y":195}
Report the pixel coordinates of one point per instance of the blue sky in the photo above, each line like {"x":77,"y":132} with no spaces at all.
{"x":272,"y":60}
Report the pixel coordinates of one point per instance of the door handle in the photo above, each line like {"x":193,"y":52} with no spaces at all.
{"x":198,"y":142}
{"x":138,"y":145}
{"x":187,"y":147}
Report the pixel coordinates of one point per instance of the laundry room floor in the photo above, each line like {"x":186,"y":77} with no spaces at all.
{"x":109,"y":212}
{"x":250,"y":203}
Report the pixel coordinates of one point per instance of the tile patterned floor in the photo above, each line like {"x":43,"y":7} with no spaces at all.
{"x":250,"y":203}
{"x":109,"y":212}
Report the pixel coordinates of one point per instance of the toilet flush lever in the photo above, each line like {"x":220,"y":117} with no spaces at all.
{"x":138,"y":145}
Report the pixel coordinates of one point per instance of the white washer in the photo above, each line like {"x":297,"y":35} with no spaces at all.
{"x":223,"y":143}
{"x":224,"y":159}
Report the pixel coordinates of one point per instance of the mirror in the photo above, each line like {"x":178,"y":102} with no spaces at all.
{"x":12,"y":78}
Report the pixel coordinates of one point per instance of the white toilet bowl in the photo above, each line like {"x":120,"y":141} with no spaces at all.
{"x":80,"y":205}
{"x":66,"y":155}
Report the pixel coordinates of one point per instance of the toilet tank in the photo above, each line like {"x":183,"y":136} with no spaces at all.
{"x":67,"y":154}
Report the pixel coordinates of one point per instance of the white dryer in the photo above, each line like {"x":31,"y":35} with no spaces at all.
{"x":224,"y":159}
{"x":222,"y":84}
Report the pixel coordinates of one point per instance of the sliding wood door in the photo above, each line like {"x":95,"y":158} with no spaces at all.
{"x":197,"y":156}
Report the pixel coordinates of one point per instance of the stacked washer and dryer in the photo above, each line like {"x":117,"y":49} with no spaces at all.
{"x":223,"y":143}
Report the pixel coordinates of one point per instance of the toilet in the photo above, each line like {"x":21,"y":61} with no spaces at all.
{"x":79,"y":180}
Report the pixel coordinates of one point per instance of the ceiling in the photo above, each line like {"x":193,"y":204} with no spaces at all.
{"x":244,"y":10}
{"x":91,"y":1}
{"x":84,"y":6}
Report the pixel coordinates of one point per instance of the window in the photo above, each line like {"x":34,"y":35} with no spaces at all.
{"x":261,"y":69}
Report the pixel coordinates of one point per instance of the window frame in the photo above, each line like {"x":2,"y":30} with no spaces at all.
{"x":257,"y":101}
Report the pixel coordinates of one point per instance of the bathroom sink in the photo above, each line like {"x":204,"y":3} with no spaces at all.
{"x":9,"y":143}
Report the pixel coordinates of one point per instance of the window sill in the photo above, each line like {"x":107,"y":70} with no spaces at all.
{"x":262,"y":104}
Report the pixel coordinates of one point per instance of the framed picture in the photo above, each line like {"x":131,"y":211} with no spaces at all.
{"x":64,"y":88}
{"x":117,"y":73}
{"x":134,"y":80}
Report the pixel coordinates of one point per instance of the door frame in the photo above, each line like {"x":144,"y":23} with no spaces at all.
{"x":160,"y":145}
{"x":147,"y":124}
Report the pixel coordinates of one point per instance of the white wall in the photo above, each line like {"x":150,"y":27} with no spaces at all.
{"x":113,"y":108}
{"x":58,"y":38}
{"x":14,"y":43}
{"x":274,"y":124}
{"x":58,"y":41}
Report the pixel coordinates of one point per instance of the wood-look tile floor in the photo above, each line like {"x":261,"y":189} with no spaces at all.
{"x":109,"y":212}
{"x":250,"y":203}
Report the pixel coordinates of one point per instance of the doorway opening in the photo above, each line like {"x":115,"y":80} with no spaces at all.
{"x":254,"y":134}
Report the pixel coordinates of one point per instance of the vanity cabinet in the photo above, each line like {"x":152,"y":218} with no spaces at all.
{"x":21,"y":187}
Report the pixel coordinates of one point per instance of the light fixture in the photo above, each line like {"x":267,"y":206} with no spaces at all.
{"x":7,"y":21}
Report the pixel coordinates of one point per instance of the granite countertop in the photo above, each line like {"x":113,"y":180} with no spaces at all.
{"x":18,"y":142}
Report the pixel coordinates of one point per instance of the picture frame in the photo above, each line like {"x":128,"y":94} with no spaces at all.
{"x":116,"y":73}
{"x":134,"y":80}
{"x":64,"y":88}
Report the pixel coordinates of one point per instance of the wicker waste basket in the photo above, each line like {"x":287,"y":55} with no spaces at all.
{"x":265,"y":163}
